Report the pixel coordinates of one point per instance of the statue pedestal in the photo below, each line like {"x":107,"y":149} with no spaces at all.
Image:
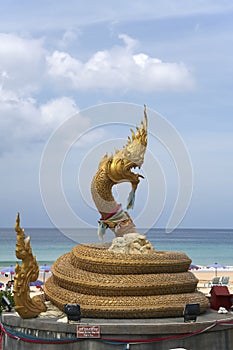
{"x":148,"y":334}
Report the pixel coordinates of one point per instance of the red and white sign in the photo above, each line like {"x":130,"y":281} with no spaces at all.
{"x":88,"y":331}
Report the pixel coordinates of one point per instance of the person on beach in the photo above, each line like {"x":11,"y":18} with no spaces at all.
{"x":8,"y":286}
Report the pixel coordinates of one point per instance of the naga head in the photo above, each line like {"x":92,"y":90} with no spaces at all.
{"x":121,"y":164}
{"x":113,"y":170}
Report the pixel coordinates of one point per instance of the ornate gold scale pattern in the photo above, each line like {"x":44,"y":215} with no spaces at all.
{"x":111,"y":285}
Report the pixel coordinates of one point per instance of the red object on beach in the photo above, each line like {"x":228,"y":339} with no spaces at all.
{"x":220,"y":297}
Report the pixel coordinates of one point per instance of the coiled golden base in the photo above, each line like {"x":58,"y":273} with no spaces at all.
{"x":111,"y":285}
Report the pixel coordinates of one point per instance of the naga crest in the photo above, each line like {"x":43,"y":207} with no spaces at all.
{"x":131,"y":156}
{"x":114,"y":169}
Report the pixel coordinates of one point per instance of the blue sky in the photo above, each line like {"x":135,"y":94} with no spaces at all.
{"x":58,"y":58}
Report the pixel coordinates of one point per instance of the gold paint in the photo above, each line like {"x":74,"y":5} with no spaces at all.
{"x":113,"y":285}
{"x":156,"y":285}
{"x":114,"y":169}
{"x":26,"y":306}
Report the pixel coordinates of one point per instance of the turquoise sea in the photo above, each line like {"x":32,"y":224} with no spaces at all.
{"x":203,"y":246}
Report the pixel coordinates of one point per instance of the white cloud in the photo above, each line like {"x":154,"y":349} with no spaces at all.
{"x":119,"y":68}
{"x":21,"y":62}
{"x":26,"y":68}
{"x":129,"y":42}
{"x":68,"y":38}
{"x":57,"y":110}
{"x":23,"y":122}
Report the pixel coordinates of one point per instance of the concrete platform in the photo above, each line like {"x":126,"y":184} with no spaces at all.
{"x":121,"y":334}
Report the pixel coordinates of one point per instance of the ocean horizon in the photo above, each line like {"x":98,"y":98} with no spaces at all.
{"x":203,"y":246}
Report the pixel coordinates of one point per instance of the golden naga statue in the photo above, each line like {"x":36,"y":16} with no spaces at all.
{"x":115,"y":169}
{"x":26,"y":306}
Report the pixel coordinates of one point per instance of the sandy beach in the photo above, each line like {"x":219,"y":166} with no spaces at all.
{"x":204,"y":276}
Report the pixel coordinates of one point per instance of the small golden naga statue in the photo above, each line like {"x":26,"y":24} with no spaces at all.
{"x":113,"y":170}
{"x":26,"y":306}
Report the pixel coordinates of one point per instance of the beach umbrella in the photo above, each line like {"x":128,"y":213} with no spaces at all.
{"x":37,"y":283}
{"x":194,"y":267}
{"x":45,"y":268}
{"x":216,"y":266}
{"x":8,"y":269}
